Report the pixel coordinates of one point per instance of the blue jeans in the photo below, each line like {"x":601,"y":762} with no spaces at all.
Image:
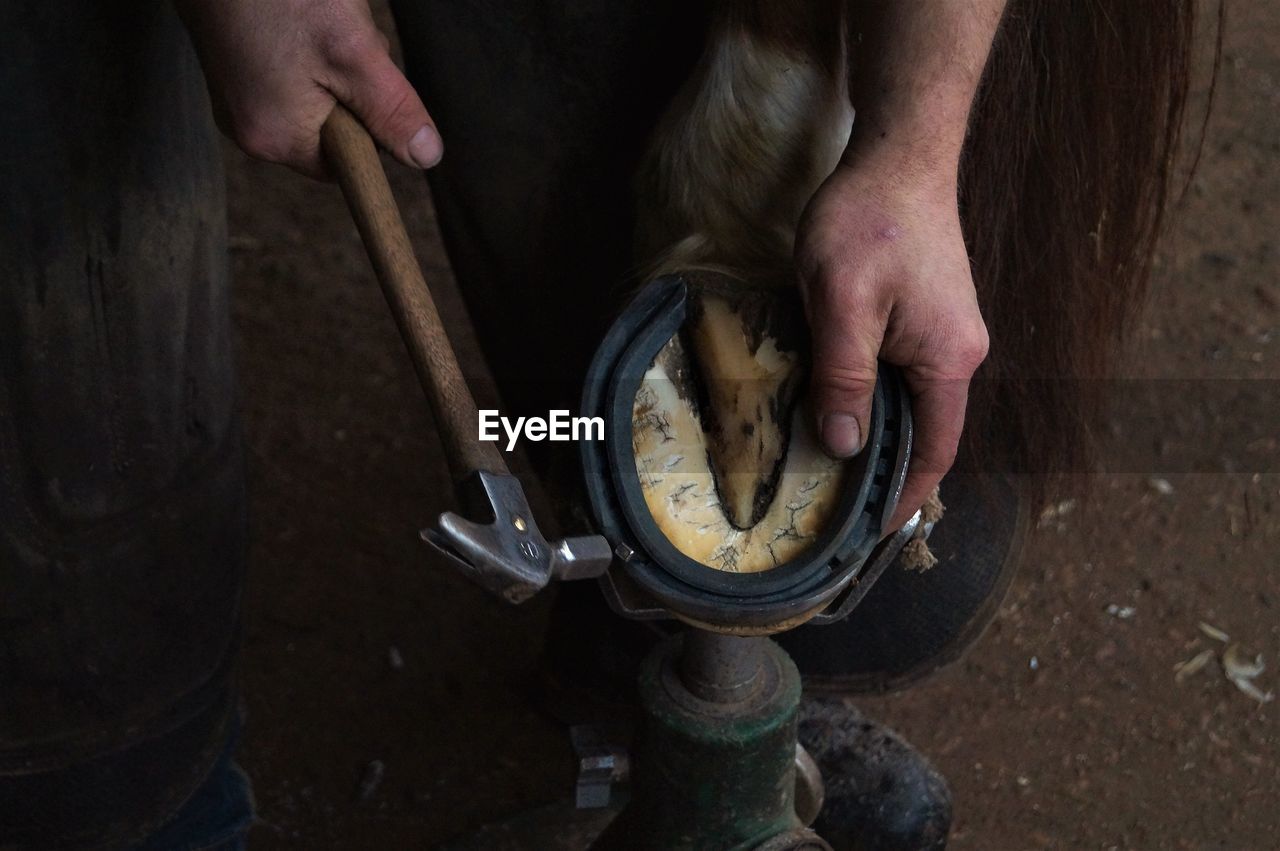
{"x":217,"y":817}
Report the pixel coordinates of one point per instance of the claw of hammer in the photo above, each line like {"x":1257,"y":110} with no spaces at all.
{"x":507,"y":555}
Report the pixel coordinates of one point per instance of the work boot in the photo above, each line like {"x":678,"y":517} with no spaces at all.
{"x":881,"y":794}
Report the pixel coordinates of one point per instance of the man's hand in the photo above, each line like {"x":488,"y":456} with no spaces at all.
{"x":885,"y":274}
{"x":880,"y":253}
{"x":276,"y":67}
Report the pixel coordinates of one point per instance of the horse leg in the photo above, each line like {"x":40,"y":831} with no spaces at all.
{"x":744,"y":145}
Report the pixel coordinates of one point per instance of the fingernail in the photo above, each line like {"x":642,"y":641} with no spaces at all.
{"x":841,"y":435}
{"x":425,"y":147}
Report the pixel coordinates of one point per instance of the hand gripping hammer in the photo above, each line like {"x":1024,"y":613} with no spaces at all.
{"x":504,"y":552}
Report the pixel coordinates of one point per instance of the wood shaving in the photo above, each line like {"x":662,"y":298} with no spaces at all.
{"x":1057,"y":510}
{"x":1241,"y":671}
{"x":1239,"y":668}
{"x":1213,"y":632}
{"x":1236,"y":664}
{"x":1253,"y":691}
{"x":933,"y":509}
{"x":1194,"y":665}
{"x":917,"y":556}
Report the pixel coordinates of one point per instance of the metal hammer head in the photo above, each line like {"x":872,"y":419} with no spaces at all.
{"x":508,"y":555}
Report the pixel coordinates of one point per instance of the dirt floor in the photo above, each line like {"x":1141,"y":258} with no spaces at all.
{"x":1063,"y":728}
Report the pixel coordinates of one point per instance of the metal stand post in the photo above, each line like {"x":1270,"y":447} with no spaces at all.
{"x":714,"y":766}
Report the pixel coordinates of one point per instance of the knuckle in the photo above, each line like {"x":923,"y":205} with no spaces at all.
{"x":258,"y":139}
{"x":850,"y":300}
{"x":844,"y":380}
{"x":269,"y":139}
{"x":350,"y":47}
{"x":972,"y":345}
{"x":955,"y":345}
{"x":934,"y":465}
{"x":388,"y":110}
{"x":941,"y":463}
{"x":946,"y":458}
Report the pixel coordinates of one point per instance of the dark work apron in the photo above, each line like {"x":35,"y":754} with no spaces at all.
{"x":122,"y":525}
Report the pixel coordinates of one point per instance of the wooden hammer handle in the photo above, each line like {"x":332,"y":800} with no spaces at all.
{"x":354,"y":160}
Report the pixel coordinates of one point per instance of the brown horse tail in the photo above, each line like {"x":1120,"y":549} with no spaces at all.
{"x":1064,"y":185}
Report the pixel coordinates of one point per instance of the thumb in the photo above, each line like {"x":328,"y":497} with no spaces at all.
{"x":389,"y":107}
{"x":843,"y":381}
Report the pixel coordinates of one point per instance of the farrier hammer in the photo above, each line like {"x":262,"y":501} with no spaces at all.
{"x":504,"y":552}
